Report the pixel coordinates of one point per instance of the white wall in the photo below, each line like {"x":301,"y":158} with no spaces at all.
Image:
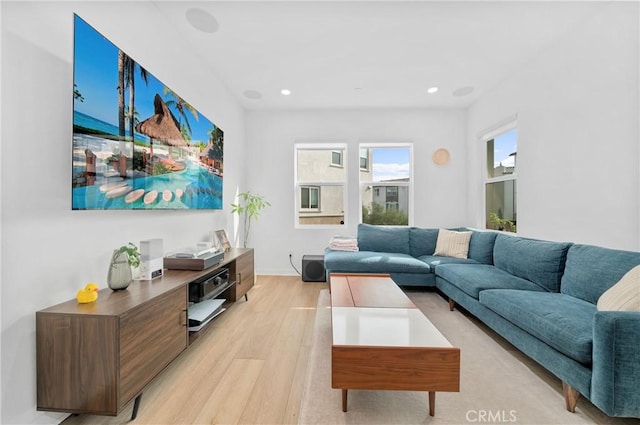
{"x":48,"y":250}
{"x":578,"y":135}
{"x":440,"y":194}
{"x":578,"y":160}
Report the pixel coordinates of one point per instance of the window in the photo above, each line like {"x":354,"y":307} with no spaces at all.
{"x":309,"y":197}
{"x":392,"y":206}
{"x":392,"y":194}
{"x":386,"y":190}
{"x":320,"y":181}
{"x":500,"y":179}
{"x":364,"y":159}
{"x":336,"y":158}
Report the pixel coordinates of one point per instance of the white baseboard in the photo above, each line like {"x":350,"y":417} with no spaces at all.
{"x":277,"y":272}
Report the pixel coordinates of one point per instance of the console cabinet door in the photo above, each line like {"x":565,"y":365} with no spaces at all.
{"x":151,"y":336}
{"x":77,"y":363}
{"x":245,"y":271}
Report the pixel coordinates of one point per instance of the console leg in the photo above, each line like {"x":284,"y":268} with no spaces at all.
{"x":452,"y":304}
{"x":136,"y":405}
{"x":344,"y":400}
{"x":246,"y":298}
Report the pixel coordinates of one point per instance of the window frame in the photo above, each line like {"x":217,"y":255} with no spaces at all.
{"x":298,"y":184}
{"x":409,"y":184}
{"x":497,"y":130}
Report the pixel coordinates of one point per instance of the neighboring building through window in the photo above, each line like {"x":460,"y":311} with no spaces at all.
{"x":500,"y":180}
{"x":386,"y":190}
{"x":320,"y":179}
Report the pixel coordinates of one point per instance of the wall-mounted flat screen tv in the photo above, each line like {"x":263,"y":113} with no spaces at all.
{"x":136,"y":143}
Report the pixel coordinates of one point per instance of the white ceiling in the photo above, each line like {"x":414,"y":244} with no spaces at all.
{"x":359,"y":54}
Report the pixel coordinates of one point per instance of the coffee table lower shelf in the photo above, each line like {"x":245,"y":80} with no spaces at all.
{"x":395,"y":368}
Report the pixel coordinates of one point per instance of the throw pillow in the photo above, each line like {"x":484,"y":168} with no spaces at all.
{"x":452,"y":244}
{"x":624,"y":295}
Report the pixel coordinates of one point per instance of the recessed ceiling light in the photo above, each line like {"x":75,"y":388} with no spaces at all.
{"x":432,"y":90}
{"x":463,"y":91}
{"x":252,"y":94}
{"x":202,"y":20}
{"x":285,"y":92}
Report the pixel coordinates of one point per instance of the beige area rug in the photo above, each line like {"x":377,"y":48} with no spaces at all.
{"x":498,"y":384}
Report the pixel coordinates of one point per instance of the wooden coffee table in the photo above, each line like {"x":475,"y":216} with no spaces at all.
{"x":381,"y":341}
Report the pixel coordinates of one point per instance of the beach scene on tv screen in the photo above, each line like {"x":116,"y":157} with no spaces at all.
{"x":136,"y":143}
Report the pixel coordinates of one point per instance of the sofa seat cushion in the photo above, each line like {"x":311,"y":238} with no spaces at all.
{"x":473,"y":278}
{"x":561,"y":321}
{"x":373,"y":262}
{"x":436,"y":260}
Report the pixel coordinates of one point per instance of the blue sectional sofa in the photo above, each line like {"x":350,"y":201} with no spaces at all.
{"x":539,"y":295}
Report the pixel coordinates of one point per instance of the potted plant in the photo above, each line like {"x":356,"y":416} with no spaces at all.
{"x":123,"y":260}
{"x":501,"y":224}
{"x":250,"y":205}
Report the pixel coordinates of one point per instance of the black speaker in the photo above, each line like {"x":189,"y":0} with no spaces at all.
{"x":313,"y":268}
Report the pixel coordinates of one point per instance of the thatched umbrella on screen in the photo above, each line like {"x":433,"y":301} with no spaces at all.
{"x":212,"y":157}
{"x":162,"y":126}
{"x":204,"y":155}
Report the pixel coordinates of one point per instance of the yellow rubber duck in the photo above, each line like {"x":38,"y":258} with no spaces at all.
{"x":88,"y":294}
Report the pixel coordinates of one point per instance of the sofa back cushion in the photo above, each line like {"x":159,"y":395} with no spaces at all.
{"x":383,"y":239}
{"x":541,"y":262}
{"x":481,"y":245}
{"x":591,"y":270}
{"x":422,"y":241}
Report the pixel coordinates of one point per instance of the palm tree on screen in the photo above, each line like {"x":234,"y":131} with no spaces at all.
{"x":126,"y":80}
{"x":181,"y":106}
{"x":129,"y":78}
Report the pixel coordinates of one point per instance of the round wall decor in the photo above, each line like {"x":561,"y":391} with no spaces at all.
{"x":441,"y":156}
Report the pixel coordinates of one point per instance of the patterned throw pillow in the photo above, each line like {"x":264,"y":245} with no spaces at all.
{"x":452,"y":244}
{"x":624,"y":295}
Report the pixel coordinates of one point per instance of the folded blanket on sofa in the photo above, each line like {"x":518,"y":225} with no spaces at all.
{"x":341,"y":243}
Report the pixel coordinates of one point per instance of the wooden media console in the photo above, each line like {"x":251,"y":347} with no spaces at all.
{"x":96,"y":358}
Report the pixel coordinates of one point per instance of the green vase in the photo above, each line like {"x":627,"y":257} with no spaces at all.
{"x":119,"y":276}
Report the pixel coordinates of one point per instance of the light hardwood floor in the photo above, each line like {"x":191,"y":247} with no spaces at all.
{"x":249,"y":368}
